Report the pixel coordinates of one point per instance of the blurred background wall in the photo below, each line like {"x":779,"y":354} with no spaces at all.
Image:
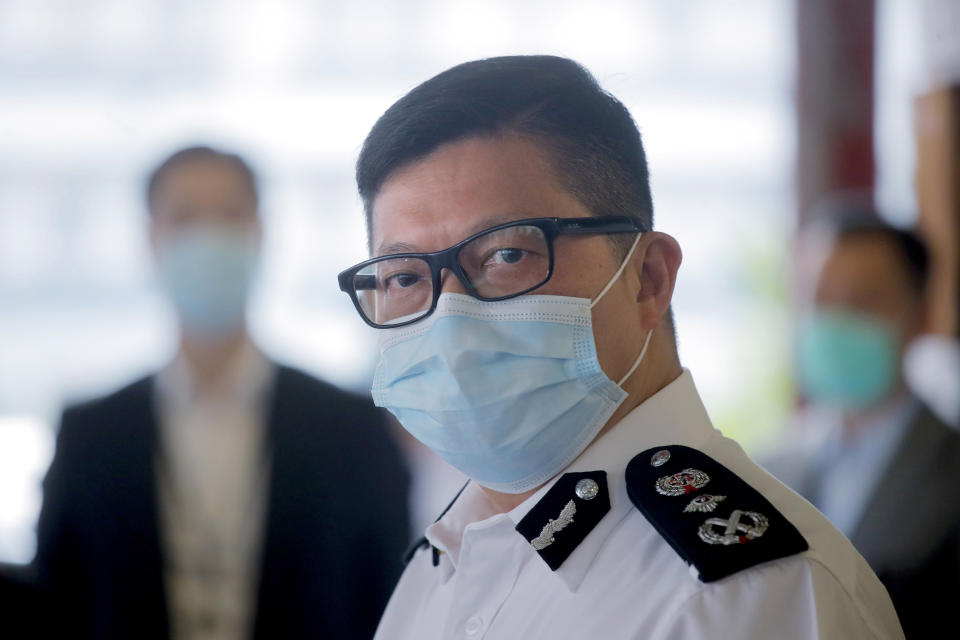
{"x":92,"y":93}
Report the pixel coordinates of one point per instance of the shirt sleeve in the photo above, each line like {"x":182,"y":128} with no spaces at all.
{"x":794,"y":599}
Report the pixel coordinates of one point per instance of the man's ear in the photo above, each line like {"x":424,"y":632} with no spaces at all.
{"x":656,"y":268}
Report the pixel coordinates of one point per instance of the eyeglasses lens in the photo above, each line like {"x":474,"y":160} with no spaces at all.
{"x":497,"y":264}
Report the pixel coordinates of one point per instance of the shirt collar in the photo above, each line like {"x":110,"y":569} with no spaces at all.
{"x":829,"y":438}
{"x":246,"y":379}
{"x":673,"y":415}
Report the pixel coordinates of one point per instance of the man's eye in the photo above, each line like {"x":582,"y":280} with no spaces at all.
{"x":507,"y":255}
{"x":401,"y":280}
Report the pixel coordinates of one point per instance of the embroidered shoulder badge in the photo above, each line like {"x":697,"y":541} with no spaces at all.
{"x":730,"y":529}
{"x":545,"y":539}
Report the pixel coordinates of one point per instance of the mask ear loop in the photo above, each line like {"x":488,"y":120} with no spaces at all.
{"x":616,"y":276}
{"x":643,"y":352}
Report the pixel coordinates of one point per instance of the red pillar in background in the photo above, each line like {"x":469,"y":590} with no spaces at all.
{"x":835,"y":41}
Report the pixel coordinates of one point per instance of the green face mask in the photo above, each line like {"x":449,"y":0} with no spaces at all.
{"x":846,"y":359}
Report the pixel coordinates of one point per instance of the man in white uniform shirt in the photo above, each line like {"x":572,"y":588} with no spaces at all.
{"x":523,"y":307}
{"x":225,"y":497}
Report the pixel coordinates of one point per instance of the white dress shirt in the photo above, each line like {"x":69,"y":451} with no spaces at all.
{"x":850,"y":466}
{"x":624,"y":580}
{"x":212,"y":484}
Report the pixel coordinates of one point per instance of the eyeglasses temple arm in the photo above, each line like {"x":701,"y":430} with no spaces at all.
{"x":573,"y":226}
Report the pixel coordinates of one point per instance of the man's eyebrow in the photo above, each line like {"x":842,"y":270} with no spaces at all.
{"x":396,"y":247}
{"x":492,"y":221}
{"x":477,"y":227}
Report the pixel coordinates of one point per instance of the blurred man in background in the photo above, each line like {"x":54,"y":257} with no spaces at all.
{"x":871,"y":456}
{"x":224,"y":497}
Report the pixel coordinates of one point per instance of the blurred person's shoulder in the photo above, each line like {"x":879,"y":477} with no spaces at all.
{"x":295,"y":384}
{"x":321,"y":402}
{"x":108,"y":432}
{"x":793,"y":456}
{"x":317,"y":410}
{"x":106,"y":414}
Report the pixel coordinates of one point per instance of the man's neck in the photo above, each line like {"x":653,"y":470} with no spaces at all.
{"x":855,"y":422}
{"x":209,"y":359}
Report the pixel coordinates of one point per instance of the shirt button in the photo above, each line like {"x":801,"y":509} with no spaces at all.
{"x":473,"y":625}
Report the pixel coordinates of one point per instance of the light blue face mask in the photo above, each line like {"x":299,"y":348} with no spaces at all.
{"x":207,"y":273}
{"x":508,"y":392}
{"x":847,"y":360}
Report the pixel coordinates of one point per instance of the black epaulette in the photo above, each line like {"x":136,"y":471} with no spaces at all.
{"x":563,"y":517}
{"x":713,"y":519}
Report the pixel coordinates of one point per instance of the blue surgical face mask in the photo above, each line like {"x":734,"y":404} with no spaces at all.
{"x":845,"y":359}
{"x":508,"y":392}
{"x":207,"y":273}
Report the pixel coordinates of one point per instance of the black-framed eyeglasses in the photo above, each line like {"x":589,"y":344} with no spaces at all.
{"x":501,"y":262}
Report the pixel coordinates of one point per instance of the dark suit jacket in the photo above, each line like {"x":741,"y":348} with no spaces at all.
{"x":909,"y":530}
{"x":335,"y":532}
{"x":20,"y":605}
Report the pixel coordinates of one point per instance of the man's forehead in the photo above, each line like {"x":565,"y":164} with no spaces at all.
{"x":867,"y":250}
{"x":203,"y":177}
{"x":463,"y":188}
{"x":863,"y":263}
{"x":387,"y":245}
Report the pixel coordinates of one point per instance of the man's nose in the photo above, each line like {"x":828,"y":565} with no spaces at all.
{"x":450,"y":283}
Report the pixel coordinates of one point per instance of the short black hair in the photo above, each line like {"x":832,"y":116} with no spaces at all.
{"x":200,"y":152}
{"x":591,"y":138}
{"x":909,"y":245}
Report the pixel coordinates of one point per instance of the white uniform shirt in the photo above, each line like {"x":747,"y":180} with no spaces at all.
{"x":624,"y":580}
{"x":212,"y":493}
